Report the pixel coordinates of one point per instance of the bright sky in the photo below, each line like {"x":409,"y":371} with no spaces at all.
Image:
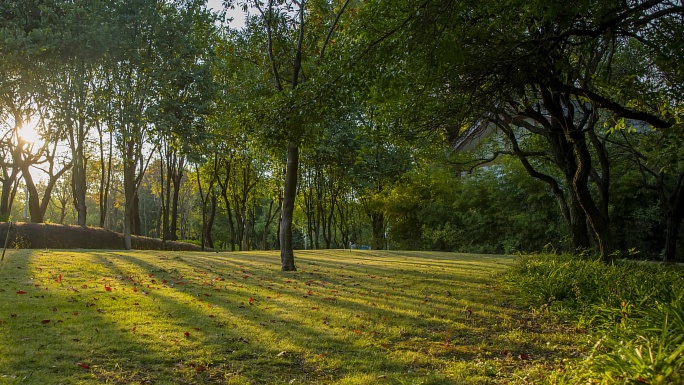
{"x":237,"y":14}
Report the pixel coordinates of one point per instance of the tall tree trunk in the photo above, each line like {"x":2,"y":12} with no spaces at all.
{"x":245,"y":233}
{"x":598,"y":219}
{"x":231,"y":225}
{"x":165,"y":184}
{"x":163,"y":220}
{"x":344,"y":224}
{"x":105,"y":176}
{"x":176,"y":179}
{"x":129,"y":166}
{"x":287,"y":211}
{"x":331,"y":217}
{"x":203,"y":200}
{"x":78,"y":173}
{"x":269,"y":219}
{"x":378,"y":221}
{"x":35,"y":212}
{"x":79,"y":189}
{"x":210,"y":221}
{"x":577,"y":222}
{"x":137,"y":224}
{"x":310,"y":220}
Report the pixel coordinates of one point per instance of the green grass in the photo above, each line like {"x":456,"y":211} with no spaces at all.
{"x":234,"y":318}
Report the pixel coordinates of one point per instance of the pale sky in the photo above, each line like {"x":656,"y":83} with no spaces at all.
{"x":237,"y":14}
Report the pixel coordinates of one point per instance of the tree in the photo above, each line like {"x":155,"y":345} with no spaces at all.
{"x":74,"y":80}
{"x":151,"y":56}
{"x":484,"y":53}
{"x":295,"y":37}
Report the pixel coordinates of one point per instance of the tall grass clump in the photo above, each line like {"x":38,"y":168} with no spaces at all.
{"x":634,"y":309}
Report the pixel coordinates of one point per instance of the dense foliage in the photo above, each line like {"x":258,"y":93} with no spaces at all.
{"x":469,"y":126}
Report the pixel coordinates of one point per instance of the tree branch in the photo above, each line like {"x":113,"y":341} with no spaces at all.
{"x":269,"y":34}
{"x":617,"y":108}
{"x":332,"y":28}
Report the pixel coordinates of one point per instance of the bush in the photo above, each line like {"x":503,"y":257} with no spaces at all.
{"x":646,"y":345}
{"x":636,"y":308}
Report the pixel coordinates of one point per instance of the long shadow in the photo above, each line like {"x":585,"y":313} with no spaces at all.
{"x":297,"y":333}
{"x":325,"y":335}
{"x":77,"y":336}
{"x":351,"y":307}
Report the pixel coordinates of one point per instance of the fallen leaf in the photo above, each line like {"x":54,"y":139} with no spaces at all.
{"x":281,"y":353}
{"x":21,"y":292}
{"x":82,"y":365}
{"x":187,"y":334}
{"x":45,"y":321}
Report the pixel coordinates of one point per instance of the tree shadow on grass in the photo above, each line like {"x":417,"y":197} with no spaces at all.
{"x":65,"y":329}
{"x":316,"y":328}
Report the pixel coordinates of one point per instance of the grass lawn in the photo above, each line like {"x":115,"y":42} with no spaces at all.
{"x":361,"y":317}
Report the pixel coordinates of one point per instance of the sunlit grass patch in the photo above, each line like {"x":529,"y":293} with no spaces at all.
{"x":344,"y":317}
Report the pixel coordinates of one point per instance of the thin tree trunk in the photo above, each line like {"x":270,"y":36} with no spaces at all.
{"x":210,"y":221}
{"x":129,"y":196}
{"x":78,"y":173}
{"x":204,"y":208}
{"x":287,"y":211}
{"x":105,"y":176}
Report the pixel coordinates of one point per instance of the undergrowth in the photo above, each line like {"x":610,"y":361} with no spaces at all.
{"x":634,"y":310}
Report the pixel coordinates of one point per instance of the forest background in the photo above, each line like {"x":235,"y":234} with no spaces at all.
{"x":426,"y":125}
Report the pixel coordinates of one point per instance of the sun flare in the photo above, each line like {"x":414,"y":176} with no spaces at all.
{"x":28,"y":132}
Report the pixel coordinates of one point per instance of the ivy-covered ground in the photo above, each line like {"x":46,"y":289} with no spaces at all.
{"x":359,"y":317}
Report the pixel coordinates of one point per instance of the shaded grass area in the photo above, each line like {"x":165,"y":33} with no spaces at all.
{"x":361,"y":317}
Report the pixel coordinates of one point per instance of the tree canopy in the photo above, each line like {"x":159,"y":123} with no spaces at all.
{"x":420,"y":124}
